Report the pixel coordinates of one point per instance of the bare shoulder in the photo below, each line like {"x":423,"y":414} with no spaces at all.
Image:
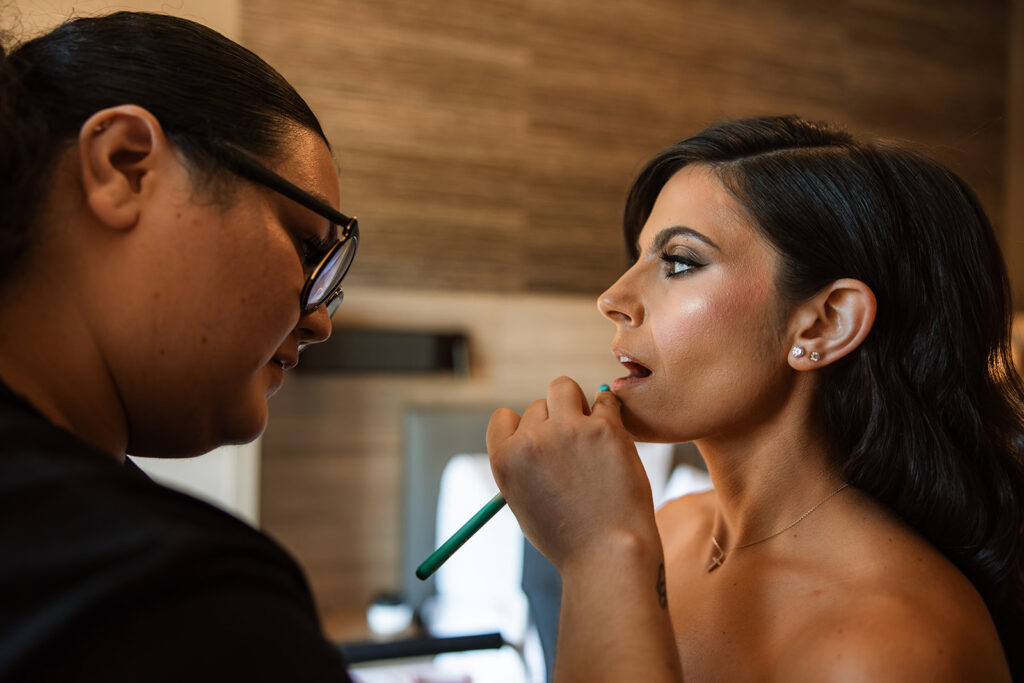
{"x":907,"y":614}
{"x":681,"y":517}
{"x":892,"y":640}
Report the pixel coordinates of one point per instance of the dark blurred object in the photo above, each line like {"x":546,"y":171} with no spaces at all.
{"x":418,"y":647}
{"x":543,"y":588}
{"x":355,"y":350}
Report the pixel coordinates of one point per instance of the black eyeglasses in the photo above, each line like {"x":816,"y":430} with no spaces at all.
{"x":323,"y":286}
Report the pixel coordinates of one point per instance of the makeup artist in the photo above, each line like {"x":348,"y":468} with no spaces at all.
{"x":164,"y":254}
{"x":829,"y":320}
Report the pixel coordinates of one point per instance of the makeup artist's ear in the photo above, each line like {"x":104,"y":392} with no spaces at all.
{"x":831,"y":324}
{"x":119,"y":149}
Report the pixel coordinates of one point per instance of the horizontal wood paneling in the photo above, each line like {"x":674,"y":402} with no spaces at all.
{"x":489,"y":145}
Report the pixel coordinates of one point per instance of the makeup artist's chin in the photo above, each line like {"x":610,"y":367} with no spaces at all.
{"x":275,"y":377}
{"x":246,"y":426}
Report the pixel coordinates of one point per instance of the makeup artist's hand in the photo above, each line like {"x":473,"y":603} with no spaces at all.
{"x":571,"y":474}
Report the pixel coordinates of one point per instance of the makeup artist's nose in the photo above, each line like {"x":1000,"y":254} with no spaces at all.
{"x":619,"y":305}
{"x":314,"y":327}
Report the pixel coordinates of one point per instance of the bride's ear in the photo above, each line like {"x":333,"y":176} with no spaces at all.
{"x":831,"y":324}
{"x":120,"y":149}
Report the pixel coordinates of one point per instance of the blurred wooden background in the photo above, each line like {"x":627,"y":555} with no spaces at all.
{"x":488,"y":145}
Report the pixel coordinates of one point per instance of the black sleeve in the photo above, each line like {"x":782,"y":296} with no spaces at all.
{"x":107,"y":576}
{"x":224,"y":631}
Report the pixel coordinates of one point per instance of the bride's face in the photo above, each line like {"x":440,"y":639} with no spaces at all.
{"x":698,"y":320}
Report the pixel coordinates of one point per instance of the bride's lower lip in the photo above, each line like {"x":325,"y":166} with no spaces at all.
{"x":625,"y":382}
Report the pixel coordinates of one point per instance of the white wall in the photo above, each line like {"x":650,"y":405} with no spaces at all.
{"x":228,"y":477}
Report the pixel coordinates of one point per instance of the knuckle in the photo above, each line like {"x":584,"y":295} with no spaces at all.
{"x":531,"y":446}
{"x":603,"y":427}
{"x":501,"y":413}
{"x":500,"y":466}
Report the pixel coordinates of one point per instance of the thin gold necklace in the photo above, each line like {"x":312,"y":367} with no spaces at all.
{"x":719,"y":559}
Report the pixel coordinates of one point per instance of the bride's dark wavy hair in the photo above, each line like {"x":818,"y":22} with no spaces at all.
{"x":927,"y":415}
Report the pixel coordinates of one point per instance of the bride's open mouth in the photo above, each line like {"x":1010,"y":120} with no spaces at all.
{"x":638,"y":372}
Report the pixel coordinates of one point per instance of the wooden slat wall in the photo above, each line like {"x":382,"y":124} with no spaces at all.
{"x":1013,"y":219}
{"x":487,"y":146}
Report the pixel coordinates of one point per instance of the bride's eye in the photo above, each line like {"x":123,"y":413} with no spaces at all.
{"x":677,"y":264}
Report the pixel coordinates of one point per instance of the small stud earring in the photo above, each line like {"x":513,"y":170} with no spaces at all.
{"x":815,"y":356}
{"x":797,"y":351}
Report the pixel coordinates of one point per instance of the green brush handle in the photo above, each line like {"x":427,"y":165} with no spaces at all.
{"x":448,"y":548}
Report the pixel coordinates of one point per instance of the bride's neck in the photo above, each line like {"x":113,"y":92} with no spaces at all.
{"x":766,"y":482}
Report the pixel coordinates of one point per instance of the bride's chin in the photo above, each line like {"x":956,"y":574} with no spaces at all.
{"x":641,"y":429}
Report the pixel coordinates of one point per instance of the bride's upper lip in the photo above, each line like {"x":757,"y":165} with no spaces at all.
{"x":624,"y":356}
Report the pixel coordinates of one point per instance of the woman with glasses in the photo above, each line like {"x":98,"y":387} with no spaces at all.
{"x":829,"y":321}
{"x":169,"y":241}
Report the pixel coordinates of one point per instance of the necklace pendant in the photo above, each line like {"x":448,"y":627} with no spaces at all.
{"x":718,"y":559}
{"x":716,"y":562}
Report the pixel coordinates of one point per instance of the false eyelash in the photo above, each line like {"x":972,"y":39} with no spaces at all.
{"x":688,"y":260}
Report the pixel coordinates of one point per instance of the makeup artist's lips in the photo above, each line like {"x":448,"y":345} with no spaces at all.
{"x":278,"y":365}
{"x":638,"y":372}
{"x":285,"y":362}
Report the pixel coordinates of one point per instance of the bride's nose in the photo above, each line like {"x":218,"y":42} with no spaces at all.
{"x":620,"y":304}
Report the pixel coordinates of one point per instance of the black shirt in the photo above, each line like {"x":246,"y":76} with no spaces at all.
{"x":107,"y":576}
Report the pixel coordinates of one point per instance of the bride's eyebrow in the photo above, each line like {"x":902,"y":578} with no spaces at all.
{"x":666,"y":235}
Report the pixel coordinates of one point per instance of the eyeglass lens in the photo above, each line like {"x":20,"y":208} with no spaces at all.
{"x":332,"y":272}
{"x":334,"y":304}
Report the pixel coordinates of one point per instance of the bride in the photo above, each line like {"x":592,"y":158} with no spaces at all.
{"x":828,"y":320}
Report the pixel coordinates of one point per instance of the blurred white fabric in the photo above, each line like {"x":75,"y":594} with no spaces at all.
{"x":684,"y":480}
{"x":479,"y":584}
{"x":479,"y":587}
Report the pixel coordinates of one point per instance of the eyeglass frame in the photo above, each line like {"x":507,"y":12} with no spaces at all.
{"x":247,"y":166}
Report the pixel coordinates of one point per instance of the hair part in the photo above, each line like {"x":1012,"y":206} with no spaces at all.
{"x":927,"y":415}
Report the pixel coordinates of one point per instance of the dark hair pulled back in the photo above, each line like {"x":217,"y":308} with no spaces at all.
{"x":927,"y":415}
{"x":201,"y":86}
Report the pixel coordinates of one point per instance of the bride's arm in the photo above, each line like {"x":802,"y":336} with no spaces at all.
{"x":614,"y":623}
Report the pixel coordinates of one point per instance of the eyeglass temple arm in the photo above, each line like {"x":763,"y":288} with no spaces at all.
{"x":245,"y":165}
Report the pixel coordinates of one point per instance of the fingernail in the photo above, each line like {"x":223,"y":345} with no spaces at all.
{"x":604,"y":387}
